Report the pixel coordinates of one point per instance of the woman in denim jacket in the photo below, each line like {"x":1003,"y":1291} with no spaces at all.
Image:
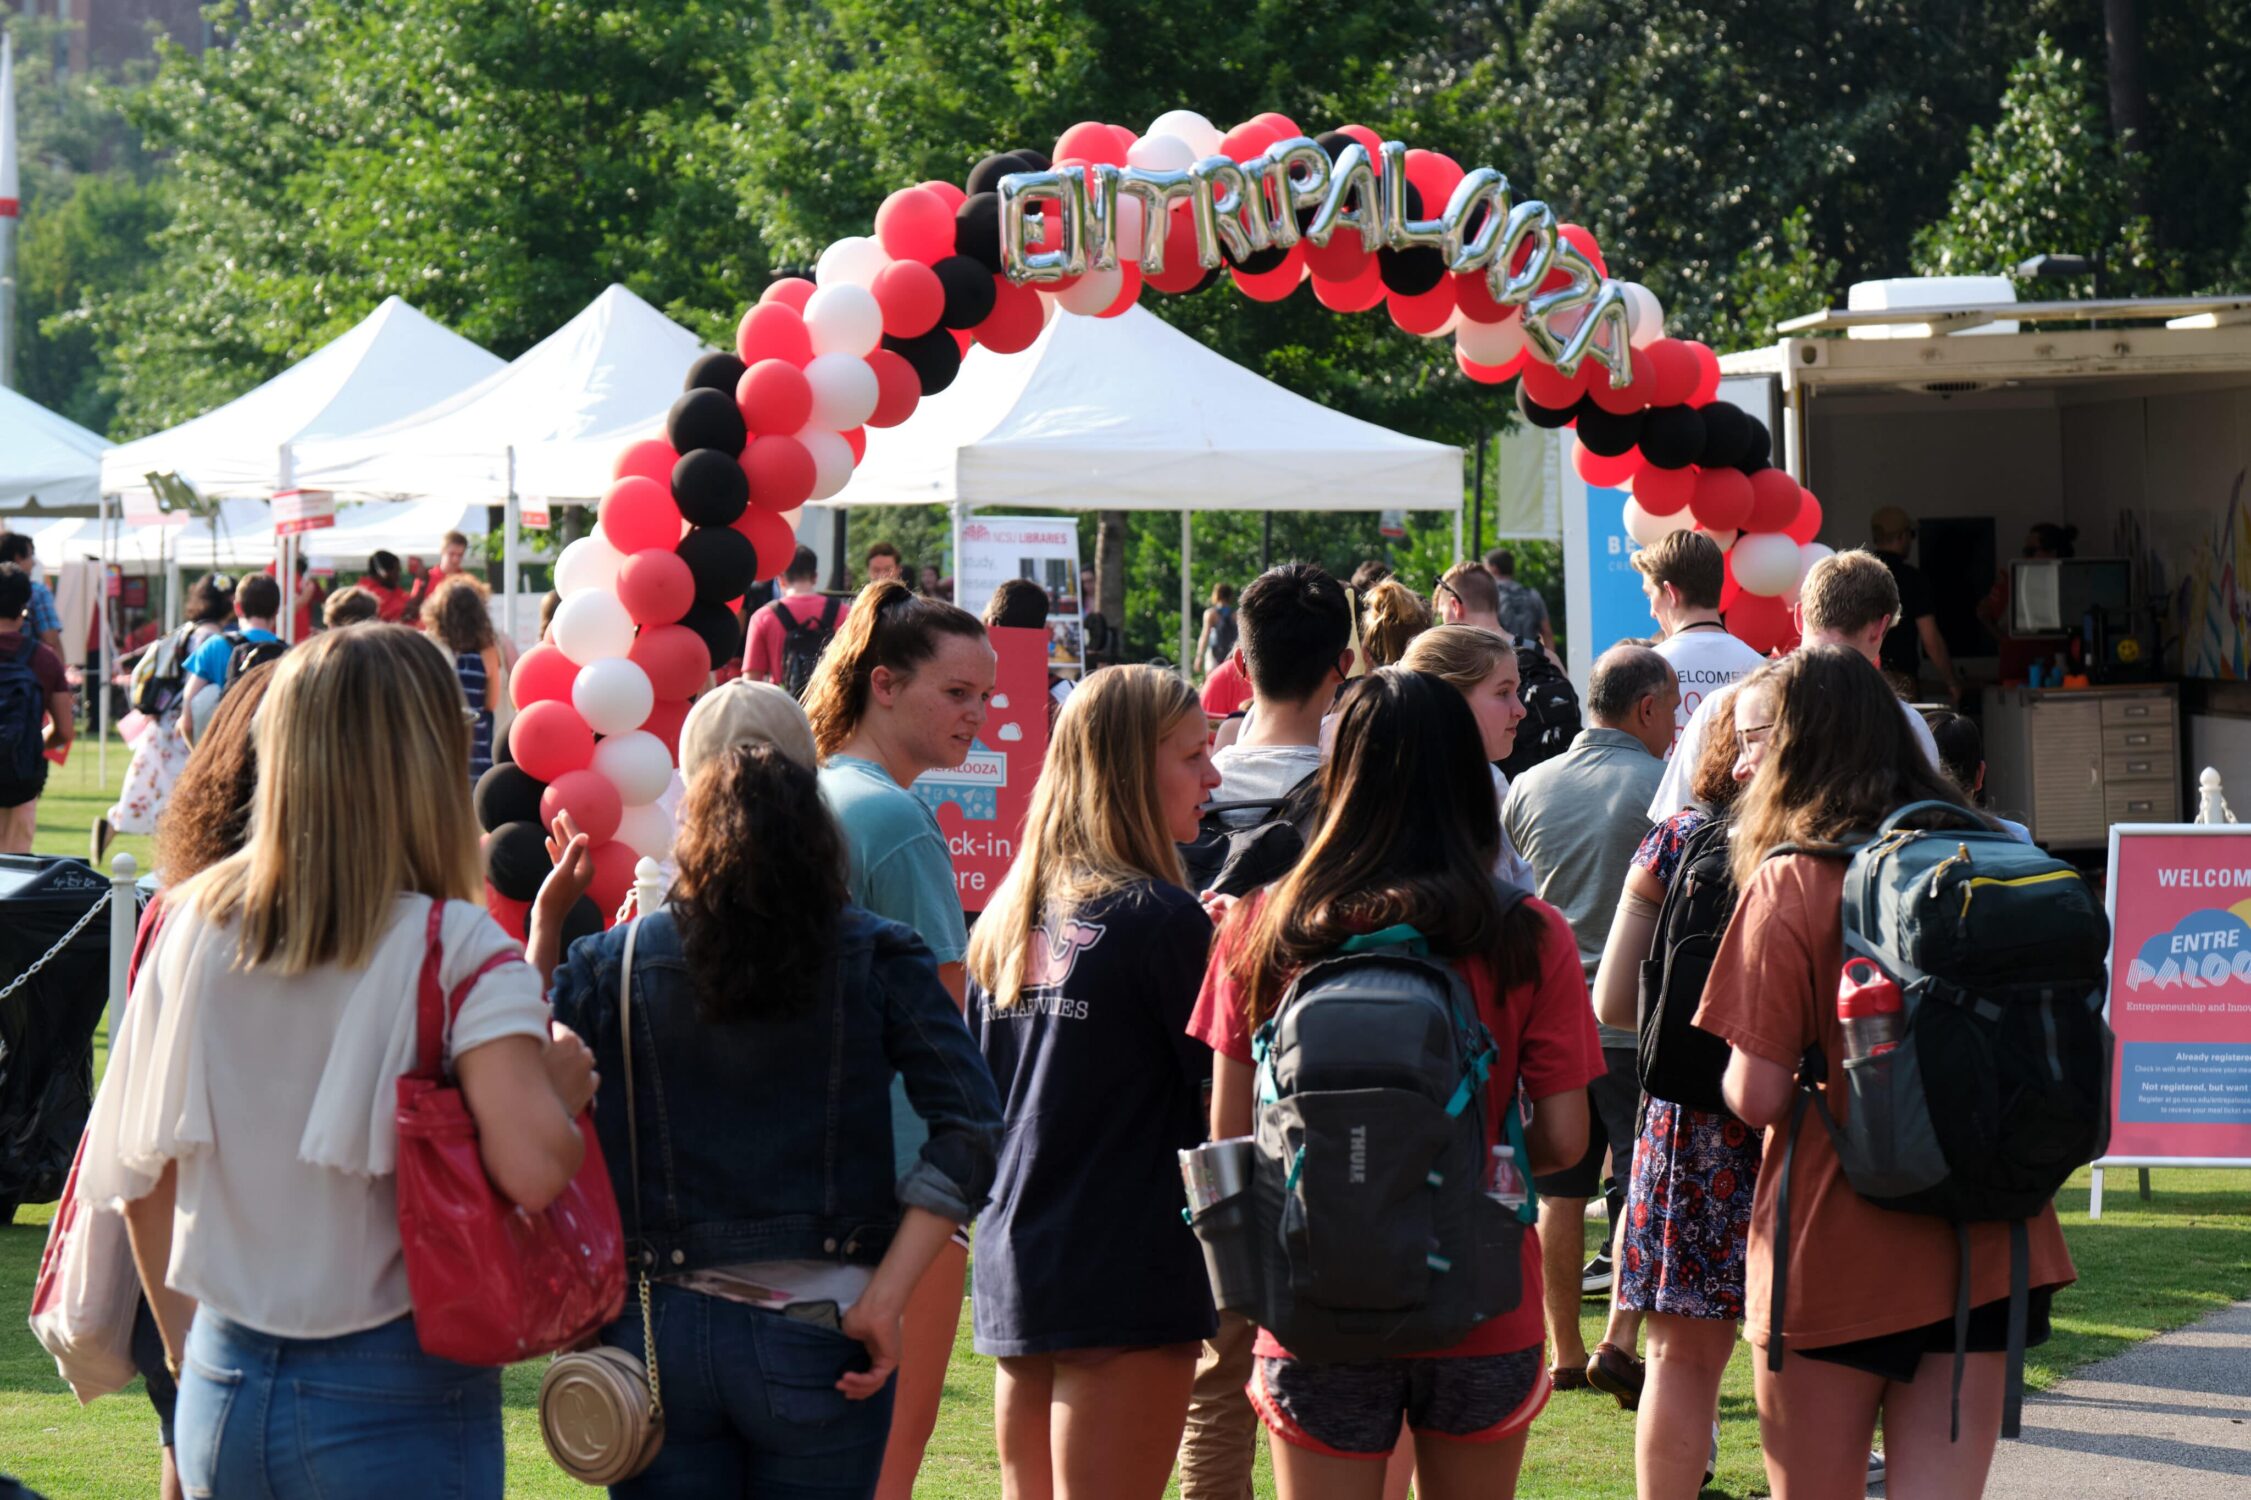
{"x":768,"y":1016}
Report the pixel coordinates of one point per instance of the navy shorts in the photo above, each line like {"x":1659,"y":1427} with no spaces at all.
{"x":1897,"y":1356}
{"x":1354,"y":1410}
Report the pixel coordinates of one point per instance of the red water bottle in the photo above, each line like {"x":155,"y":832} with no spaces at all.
{"x":1869,"y":1005}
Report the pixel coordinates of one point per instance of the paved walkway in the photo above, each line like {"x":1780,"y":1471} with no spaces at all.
{"x":2170,"y":1417}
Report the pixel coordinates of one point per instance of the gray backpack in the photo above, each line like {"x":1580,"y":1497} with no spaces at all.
{"x":1373,"y":1231}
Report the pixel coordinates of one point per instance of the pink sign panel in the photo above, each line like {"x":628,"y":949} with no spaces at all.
{"x":2180,"y":993}
{"x":981,"y":805}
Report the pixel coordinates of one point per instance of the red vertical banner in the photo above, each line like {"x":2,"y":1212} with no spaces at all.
{"x":981,"y":805}
{"x":2180,"y":993}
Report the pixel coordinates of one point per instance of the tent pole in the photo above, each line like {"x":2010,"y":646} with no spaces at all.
{"x":101,"y":688}
{"x":1187,"y":595}
{"x":1477,"y":500}
{"x":1457,"y":533}
{"x":960,"y":511}
{"x":510,"y":543}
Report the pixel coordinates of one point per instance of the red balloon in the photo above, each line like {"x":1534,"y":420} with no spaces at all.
{"x":1806,"y":525}
{"x":954,"y":197}
{"x":1584,"y":239}
{"x":1274,"y":285}
{"x":1490,"y":374}
{"x":898,"y":389}
{"x":1125,"y":138}
{"x":1474,"y":294}
{"x":1182,"y":270}
{"x":772,"y":538}
{"x":1368,"y":139}
{"x":1626,"y":400}
{"x":1774,"y":501}
{"x":1763,"y":624}
{"x":911,"y":296}
{"x":651,"y":458}
{"x":550,"y":740}
{"x":856,"y":439}
{"x":915,"y":224}
{"x":1362,"y":292}
{"x":962,"y":339}
{"x":774,"y":330}
{"x":665,"y":719}
{"x":1129,"y":290}
{"x":613,"y":878}
{"x":1722,"y":501}
{"x":775,"y":397}
{"x":1015,"y":321}
{"x":1434,"y":175}
{"x":674,"y":657}
{"x":1707,"y":373}
{"x":1425,"y":313}
{"x":655,"y":586}
{"x":1343,"y":258}
{"x":1675,"y":370}
{"x":1248,"y":139}
{"x":1091,"y":142}
{"x":1280,"y":126}
{"x":1547,"y":386}
{"x":542,"y":675}
{"x":638,"y":514}
{"x":792,"y":292}
{"x":590,"y":799}
{"x":1608,"y":473}
{"x":1664,"y":492}
{"x":514,"y":917}
{"x":781,"y":472}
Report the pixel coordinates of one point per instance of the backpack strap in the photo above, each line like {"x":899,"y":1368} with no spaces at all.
{"x":828,"y":614}
{"x":1968,"y":819}
{"x":1813,"y":1071}
{"x":2020,"y":1296}
{"x":1961,"y":1327}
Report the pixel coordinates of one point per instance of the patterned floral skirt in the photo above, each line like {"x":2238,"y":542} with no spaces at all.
{"x":1688,"y":1213}
{"x":157,"y":762}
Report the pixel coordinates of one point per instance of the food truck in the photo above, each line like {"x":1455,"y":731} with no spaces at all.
{"x":2105,"y":682}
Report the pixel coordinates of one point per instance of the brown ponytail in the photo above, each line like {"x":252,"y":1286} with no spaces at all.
{"x":889,"y":625}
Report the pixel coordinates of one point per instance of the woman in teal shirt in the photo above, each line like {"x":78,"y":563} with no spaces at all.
{"x":902,"y":689}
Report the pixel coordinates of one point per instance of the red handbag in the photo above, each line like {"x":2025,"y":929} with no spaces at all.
{"x":492,"y":1284}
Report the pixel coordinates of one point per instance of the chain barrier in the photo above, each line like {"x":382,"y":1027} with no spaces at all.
{"x":61,"y":943}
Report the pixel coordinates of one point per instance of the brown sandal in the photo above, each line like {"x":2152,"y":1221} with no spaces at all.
{"x":1567,"y":1378}
{"x":1616,"y":1373}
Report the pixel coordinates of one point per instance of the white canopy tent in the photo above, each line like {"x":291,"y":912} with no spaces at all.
{"x":1128,"y":413}
{"x":49,"y":465}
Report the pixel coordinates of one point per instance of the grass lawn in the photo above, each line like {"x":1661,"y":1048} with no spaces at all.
{"x":2143,"y":1268}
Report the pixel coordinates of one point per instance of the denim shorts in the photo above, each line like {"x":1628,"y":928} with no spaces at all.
{"x":363,"y":1416}
{"x":1354,"y":1410}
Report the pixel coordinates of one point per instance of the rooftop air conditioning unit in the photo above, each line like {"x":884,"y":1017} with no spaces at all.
{"x":1928,"y":291}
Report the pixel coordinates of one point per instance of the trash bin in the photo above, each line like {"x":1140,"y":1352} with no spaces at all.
{"x":47,"y":1020}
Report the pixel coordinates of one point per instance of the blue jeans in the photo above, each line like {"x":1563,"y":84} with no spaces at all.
{"x":751,"y":1405}
{"x":366,"y":1414}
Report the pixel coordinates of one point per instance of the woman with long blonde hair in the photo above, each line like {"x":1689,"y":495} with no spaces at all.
{"x":246,"y":1117}
{"x":1391,"y":616}
{"x":1083,"y":972}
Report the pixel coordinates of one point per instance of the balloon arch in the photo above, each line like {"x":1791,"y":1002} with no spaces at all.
{"x":648,"y":600}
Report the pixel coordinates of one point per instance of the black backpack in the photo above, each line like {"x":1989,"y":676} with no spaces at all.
{"x":1678,"y":1061}
{"x":1999,"y":1086}
{"x":23,"y":711}
{"x":247,"y":654}
{"x":802,"y":644}
{"x":1551,"y":713}
{"x":1374,"y":1233}
{"x":1234,"y":860}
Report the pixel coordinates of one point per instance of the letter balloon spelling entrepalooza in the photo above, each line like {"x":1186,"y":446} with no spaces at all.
{"x":693,"y":518}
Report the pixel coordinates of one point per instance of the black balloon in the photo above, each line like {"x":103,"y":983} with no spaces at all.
{"x":705,"y":418}
{"x":710,"y":488}
{"x":1726,"y":434}
{"x":507,"y":794}
{"x":1334,"y":142}
{"x":1758,"y":446}
{"x":935,"y":356}
{"x":502,"y":754}
{"x":1036,"y":161}
{"x":715,"y":372}
{"x":1410,"y":273}
{"x":516,"y":859}
{"x":969,"y":291}
{"x":1603,"y":433}
{"x":722,"y":633}
{"x":584,"y":919}
{"x":977,"y":230}
{"x":1538,"y":415}
{"x":1672,"y":436}
{"x":1258,"y":262}
{"x":721,"y":559}
{"x":986,"y":175}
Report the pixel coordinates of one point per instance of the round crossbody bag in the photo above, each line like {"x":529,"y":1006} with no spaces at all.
{"x":601,"y":1411}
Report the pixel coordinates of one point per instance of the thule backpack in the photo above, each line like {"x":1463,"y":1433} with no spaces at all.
{"x":1678,"y":1061}
{"x":1551,"y":713}
{"x":162,"y":671}
{"x":1373,"y":1230}
{"x":1999,"y":1086}
{"x":1235,"y":857}
{"x":803,"y":642}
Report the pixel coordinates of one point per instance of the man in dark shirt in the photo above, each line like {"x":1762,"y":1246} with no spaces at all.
{"x":1915,"y":632}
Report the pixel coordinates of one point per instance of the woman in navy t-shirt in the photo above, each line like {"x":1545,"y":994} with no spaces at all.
{"x":1089,"y":1286}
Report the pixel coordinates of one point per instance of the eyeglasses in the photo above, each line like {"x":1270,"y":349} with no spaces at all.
{"x":1447,"y":589}
{"x":1756,"y":734}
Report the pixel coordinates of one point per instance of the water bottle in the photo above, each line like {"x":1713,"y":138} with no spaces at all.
{"x":1869,"y":1005}
{"x":1504,"y":1184}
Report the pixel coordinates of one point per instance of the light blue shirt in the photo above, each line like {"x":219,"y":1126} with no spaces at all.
{"x":210,"y":659}
{"x":42,"y":616}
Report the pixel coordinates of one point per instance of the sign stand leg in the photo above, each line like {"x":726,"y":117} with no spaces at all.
{"x":2145,"y":1184}
{"x":2094,"y":1195}
{"x":1187,"y":599}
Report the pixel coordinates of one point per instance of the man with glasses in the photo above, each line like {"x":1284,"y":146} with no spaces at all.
{"x":1890,"y":534}
{"x":1467,"y":595}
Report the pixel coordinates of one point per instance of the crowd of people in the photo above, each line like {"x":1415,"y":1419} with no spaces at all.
{"x":828,"y":1102}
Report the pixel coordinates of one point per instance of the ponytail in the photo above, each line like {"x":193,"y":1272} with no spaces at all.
{"x":889,"y":625}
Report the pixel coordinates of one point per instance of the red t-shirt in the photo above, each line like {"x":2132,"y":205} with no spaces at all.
{"x":303,"y":624}
{"x":762,"y":658}
{"x":1226,"y":690}
{"x":390,"y":603}
{"x":1543,"y":1033}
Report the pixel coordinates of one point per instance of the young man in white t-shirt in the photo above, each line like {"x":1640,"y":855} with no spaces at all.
{"x":1681,"y":577}
{"x":1294,"y":643}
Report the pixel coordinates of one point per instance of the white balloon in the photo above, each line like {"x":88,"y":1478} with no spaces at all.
{"x":613,"y":696}
{"x":1720,"y":539}
{"x":593,"y":626}
{"x":646,"y":829}
{"x":1645,"y":315}
{"x":851,"y":261}
{"x":635,"y":762}
{"x":1766,"y":564}
{"x":832,"y":463}
{"x":1490,"y":343}
{"x":1131,"y":222}
{"x":844,"y":319}
{"x":1162,"y":153}
{"x":1809,"y":553}
{"x":845,"y":390}
{"x":1200,"y":135}
{"x":1093,"y":292}
{"x":1648,"y":530}
{"x":588,"y":563}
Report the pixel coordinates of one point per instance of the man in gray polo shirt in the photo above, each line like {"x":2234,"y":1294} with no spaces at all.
{"x":1577,"y":820}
